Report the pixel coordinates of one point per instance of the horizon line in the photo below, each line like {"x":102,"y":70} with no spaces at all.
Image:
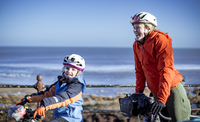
{"x":95,"y":47}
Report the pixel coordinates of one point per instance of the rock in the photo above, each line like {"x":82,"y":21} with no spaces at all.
{"x":196,"y":90}
{"x":94,"y":102}
{"x":93,"y":96}
{"x":189,"y":96}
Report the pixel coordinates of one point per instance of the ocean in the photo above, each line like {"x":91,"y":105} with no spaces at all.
{"x":115,"y":66}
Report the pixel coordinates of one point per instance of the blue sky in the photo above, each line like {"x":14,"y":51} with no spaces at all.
{"x":94,"y":23}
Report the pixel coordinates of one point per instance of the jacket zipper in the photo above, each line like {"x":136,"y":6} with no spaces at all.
{"x":143,"y":54}
{"x":69,"y":110}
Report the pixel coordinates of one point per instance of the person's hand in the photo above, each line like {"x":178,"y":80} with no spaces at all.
{"x":22,"y":101}
{"x":40,"y":111}
{"x":157,"y":106}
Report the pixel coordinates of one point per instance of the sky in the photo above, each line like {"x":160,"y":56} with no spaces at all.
{"x":94,"y":23}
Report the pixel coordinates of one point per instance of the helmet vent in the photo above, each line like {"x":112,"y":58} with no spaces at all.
{"x":65,"y":59}
{"x":143,"y":16}
{"x":73,"y":59}
{"x":139,"y":14}
{"x":78,"y":64}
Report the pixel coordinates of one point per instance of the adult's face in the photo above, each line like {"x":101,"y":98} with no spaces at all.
{"x":139,"y":31}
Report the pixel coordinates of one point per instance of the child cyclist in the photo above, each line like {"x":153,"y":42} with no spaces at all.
{"x":64,"y":97}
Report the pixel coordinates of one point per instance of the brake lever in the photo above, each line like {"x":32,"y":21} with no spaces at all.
{"x":164,"y":117}
{"x":153,"y":118}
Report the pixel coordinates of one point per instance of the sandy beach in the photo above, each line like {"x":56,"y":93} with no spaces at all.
{"x":24,"y":90}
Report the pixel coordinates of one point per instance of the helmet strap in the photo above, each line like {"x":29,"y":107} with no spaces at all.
{"x":145,"y":30}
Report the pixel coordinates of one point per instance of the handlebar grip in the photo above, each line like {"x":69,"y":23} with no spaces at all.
{"x":164,"y":117}
{"x":39,"y":117}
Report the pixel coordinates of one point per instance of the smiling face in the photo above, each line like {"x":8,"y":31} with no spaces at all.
{"x":70,"y":71}
{"x":139,"y":31}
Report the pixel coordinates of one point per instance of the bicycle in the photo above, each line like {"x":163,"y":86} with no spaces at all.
{"x":22,"y":112}
{"x":139,"y":104}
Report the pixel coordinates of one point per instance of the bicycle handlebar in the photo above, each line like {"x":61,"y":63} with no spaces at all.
{"x":25,"y":113}
{"x":164,"y":117}
{"x":29,"y":115}
{"x":132,"y":101}
{"x":161,"y":115}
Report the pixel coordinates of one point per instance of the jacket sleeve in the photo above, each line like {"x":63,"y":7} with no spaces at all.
{"x":140,"y":78}
{"x":165,"y":65}
{"x":71,"y":94}
{"x":37,"y":97}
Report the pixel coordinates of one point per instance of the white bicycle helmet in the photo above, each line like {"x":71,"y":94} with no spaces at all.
{"x":75,"y":61}
{"x":144,"y":17}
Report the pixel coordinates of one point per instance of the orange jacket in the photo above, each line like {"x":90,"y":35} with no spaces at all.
{"x":154,"y":63}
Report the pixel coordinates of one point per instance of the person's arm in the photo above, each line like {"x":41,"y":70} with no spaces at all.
{"x":165,"y":65}
{"x":72,"y":94}
{"x":140,"y":78}
{"x":37,"y":97}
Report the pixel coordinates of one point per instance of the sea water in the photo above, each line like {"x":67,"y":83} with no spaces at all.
{"x":115,"y":66}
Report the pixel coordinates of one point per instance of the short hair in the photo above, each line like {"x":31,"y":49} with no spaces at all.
{"x":150,"y":26}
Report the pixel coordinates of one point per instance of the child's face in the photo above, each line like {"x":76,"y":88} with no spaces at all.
{"x":70,"y":71}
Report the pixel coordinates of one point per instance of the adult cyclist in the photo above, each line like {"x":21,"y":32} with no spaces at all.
{"x":154,"y":65}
